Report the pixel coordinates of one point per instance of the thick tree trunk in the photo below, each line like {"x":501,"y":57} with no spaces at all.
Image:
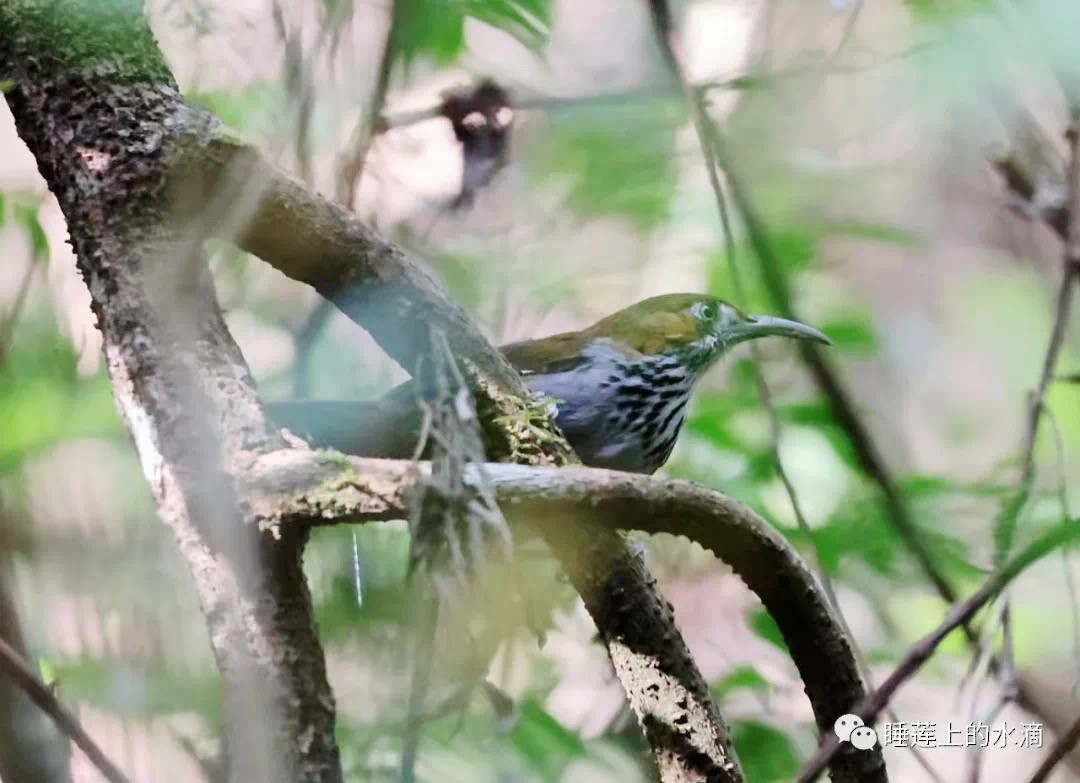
{"x":142,"y":179}
{"x":109,"y":131}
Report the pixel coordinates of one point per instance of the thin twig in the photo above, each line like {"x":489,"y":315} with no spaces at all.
{"x":1066,"y":513}
{"x":12,"y":665}
{"x":348,"y":181}
{"x":353,"y":166}
{"x":428,"y":602}
{"x":1007,"y":695}
{"x":849,"y":29}
{"x":742,"y":81}
{"x":11,"y":319}
{"x":841,"y":404}
{"x":1008,"y":521}
{"x":666,"y":38}
{"x":665,"y":35}
{"x":1066,"y":742}
{"x":958,"y":615}
{"x":300,"y":87}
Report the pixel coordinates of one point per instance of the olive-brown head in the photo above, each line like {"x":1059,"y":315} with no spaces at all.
{"x":622,"y":385}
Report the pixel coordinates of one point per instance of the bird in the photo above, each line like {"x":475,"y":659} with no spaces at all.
{"x":620,"y":388}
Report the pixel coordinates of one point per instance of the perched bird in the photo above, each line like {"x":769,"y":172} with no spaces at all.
{"x":621,"y":387}
{"x":482,"y":118}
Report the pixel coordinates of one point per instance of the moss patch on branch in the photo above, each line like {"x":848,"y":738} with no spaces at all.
{"x":53,"y":37}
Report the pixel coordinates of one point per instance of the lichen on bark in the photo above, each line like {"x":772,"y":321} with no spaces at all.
{"x":84,"y":37}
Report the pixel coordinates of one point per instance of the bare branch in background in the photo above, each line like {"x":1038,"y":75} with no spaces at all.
{"x":33,"y":748}
{"x":1064,"y":745}
{"x":842,"y":406}
{"x":13,"y":666}
{"x":352,"y":165}
{"x":743,"y":81}
{"x":105,"y":144}
{"x":1005,"y":528}
{"x":10,"y":320}
{"x":666,"y":39}
{"x":959,"y":615}
{"x":301,"y":89}
{"x":574,"y":507}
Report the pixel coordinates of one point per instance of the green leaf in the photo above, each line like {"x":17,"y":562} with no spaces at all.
{"x":618,"y":159}
{"x":246,"y":109}
{"x":43,"y":401}
{"x":526,"y":20}
{"x":795,"y":247}
{"x":923,"y":487}
{"x":892,"y":235}
{"x":137,"y":691}
{"x":943,"y":10}
{"x":762,"y":623}
{"x":817,"y":414}
{"x":766,"y":753}
{"x":744,"y":677}
{"x":853,"y":334}
{"x":436,"y":28}
{"x":866,"y":536}
{"x":542,"y":741}
{"x":859,"y":529}
{"x":423,"y":30}
{"x":26,"y":213}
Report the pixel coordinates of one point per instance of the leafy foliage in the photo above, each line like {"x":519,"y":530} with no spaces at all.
{"x":436,"y":28}
{"x":618,"y":160}
{"x":766,"y":753}
{"x":611,"y":159}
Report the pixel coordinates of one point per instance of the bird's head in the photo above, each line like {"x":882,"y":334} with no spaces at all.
{"x":696,"y":328}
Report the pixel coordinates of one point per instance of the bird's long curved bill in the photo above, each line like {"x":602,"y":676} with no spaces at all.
{"x":767,"y":326}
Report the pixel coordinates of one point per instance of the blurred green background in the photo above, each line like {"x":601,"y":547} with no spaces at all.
{"x":864,"y":131}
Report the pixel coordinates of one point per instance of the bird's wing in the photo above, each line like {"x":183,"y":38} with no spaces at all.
{"x":558,"y":353}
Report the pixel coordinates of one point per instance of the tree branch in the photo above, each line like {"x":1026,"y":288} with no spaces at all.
{"x":842,"y":406}
{"x":13,"y":666}
{"x":297,"y":488}
{"x":1064,"y":745}
{"x":33,"y":748}
{"x":94,"y":102}
{"x":318,"y":242}
{"x":117,"y":145}
{"x":959,"y":615}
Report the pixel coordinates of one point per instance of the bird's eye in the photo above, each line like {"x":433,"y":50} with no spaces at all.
{"x":709,"y":311}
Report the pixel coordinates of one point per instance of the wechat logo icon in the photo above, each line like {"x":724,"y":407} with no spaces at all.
{"x":850,"y":728}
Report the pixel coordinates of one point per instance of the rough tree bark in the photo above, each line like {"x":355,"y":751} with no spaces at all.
{"x":138,"y":174}
{"x":97,"y":107}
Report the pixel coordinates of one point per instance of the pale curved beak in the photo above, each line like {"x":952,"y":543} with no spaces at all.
{"x":770,"y":326}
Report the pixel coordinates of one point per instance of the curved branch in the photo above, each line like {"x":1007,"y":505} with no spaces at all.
{"x":296,"y":488}
{"x":317,"y":242}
